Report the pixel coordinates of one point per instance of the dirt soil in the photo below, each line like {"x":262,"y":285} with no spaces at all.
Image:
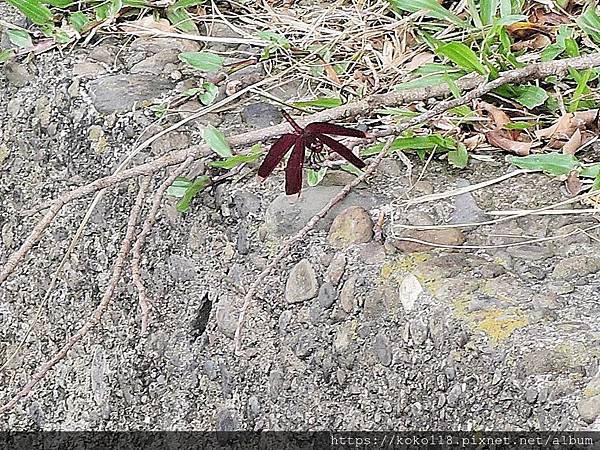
{"x":486,"y":338}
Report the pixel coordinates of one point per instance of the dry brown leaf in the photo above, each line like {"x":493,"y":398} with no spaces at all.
{"x":566,"y":125}
{"x":419,"y":60}
{"x":535,"y":43}
{"x":573,"y":144}
{"x":524,"y":30}
{"x":499,"y":117}
{"x":573,"y":183}
{"x":473,"y":142}
{"x":141,"y":26}
{"x":500,"y":139}
{"x":331,"y":73}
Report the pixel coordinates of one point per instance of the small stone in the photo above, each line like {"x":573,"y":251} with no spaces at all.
{"x":159,"y":44}
{"x":418,"y":331}
{"x":530,"y":252}
{"x":454,"y":395}
{"x":589,"y":408}
{"x":390,"y":167}
{"x":445,"y":236}
{"x":154,"y":64}
{"x":302,"y":283}
{"x":261,"y":115}
{"x":286,"y":215}
{"x":103,"y":54}
{"x":383,"y":350}
{"x":419,"y":218}
{"x":372,"y":253}
{"x":169,"y":142}
{"x":466,"y":209}
{"x":531,"y":395}
{"x":305,"y":345}
{"x":336,"y":268}
{"x":343,"y":338}
{"x":253,"y":407}
{"x":210,"y":370}
{"x":409,"y":292}
{"x":423,"y":187}
{"x":327,"y":295}
{"x":88,"y":69}
{"x":246,"y":203}
{"x":347,"y":300}
{"x":226,"y":420}
{"x":351,"y":226}
{"x":575,"y":267}
{"x":16,"y":74}
{"x":242,"y":241}
{"x":226,"y":322}
{"x":119,"y":93}
{"x":182,"y":268}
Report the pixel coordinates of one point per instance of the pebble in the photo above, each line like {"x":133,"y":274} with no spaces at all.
{"x":182,"y":268}
{"x":16,"y":74}
{"x":347,"y":299}
{"x":418,"y":331}
{"x":409,"y":291}
{"x":454,"y":395}
{"x":466,"y":209}
{"x":531,"y":395}
{"x":287,"y":215}
{"x":88,"y":69}
{"x":253,"y":407}
{"x":327,"y":295}
{"x":589,"y":408}
{"x":336,"y":268}
{"x":383,"y":350}
{"x":447,"y":236}
{"x":119,"y":93}
{"x":261,"y":115}
{"x":226,"y":322}
{"x":302,"y":283}
{"x":351,"y":226}
{"x":154,"y":64}
{"x":226,"y":420}
{"x":576,"y":266}
{"x":372,"y":253}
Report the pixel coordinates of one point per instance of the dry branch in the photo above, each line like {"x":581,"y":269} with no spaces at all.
{"x":361,"y":107}
{"x":94,"y":319}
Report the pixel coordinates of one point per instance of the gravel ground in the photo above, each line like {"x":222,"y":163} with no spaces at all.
{"x":347,"y":334}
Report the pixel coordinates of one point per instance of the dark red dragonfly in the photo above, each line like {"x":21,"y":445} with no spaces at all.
{"x":314,"y":137}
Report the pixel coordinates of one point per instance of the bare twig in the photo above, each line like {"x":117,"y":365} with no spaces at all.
{"x":141,"y":239}
{"x":94,"y":319}
{"x":366,"y":105}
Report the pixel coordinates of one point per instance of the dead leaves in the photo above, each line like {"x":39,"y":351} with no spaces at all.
{"x":571,"y":131}
{"x":513,"y":141}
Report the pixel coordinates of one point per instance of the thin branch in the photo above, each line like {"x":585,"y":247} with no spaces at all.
{"x":141,"y":239}
{"x":94,"y":319}
{"x":364,"y":106}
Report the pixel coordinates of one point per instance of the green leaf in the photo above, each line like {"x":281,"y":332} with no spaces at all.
{"x":20,"y":38}
{"x":552,"y":52}
{"x":321,"y":102}
{"x":589,"y":22}
{"x":179,"y":186}
{"x":519,"y":125}
{"x":6,"y":54}
{"x":488,"y":11}
{"x":351,"y":169}
{"x":463,"y":56}
{"x":216,"y":140}
{"x":182,"y":20}
{"x":186,"y":3}
{"x":552,"y":163}
{"x":205,"y":61}
{"x":474,"y":13}
{"x":506,"y":8}
{"x":431,"y":8}
{"x":314,"y":177}
{"x":582,"y":87}
{"x":428,"y":80}
{"x":530,"y":96}
{"x":79,"y":20}
{"x":60,"y":3}
{"x":596,"y":185}
{"x":199,"y":185}
{"x":277,"y":39}
{"x":210,"y":92}
{"x":236,"y":160}
{"x":460,"y":157}
{"x":415,"y":143}
{"x":34,"y":11}
{"x":591,"y":171}
{"x":114,"y":6}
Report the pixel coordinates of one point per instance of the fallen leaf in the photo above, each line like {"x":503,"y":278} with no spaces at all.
{"x":145,"y":25}
{"x":568,"y":123}
{"x":524,"y":30}
{"x":499,"y":117}
{"x":573,"y":183}
{"x":538,"y":42}
{"x":331,"y":73}
{"x":473,"y":142}
{"x":499,"y":138}
{"x":573,"y":144}
{"x":419,"y":60}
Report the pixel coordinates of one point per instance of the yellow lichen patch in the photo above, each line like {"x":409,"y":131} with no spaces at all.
{"x":396,"y":269}
{"x":499,"y":325}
